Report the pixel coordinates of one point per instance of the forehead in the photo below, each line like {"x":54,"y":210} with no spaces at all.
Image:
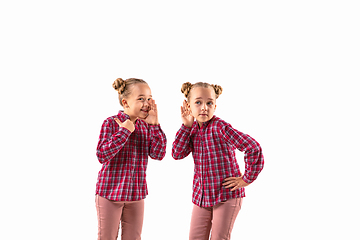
{"x":140,"y":89}
{"x":204,"y":93}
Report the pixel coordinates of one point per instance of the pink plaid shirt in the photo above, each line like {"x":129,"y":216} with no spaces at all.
{"x":213,"y":149}
{"x":124,"y":158}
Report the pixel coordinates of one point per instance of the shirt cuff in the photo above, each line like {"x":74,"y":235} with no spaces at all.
{"x":185,"y":128}
{"x":123,"y":130}
{"x":156,"y":127}
{"x":246,"y":179}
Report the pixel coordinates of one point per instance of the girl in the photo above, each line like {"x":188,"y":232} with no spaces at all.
{"x":218,"y":185}
{"x":126,"y":140}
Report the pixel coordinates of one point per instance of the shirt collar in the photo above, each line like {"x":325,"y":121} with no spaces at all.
{"x":205,"y":124}
{"x":123,"y":116}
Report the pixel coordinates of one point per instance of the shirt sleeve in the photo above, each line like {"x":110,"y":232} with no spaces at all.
{"x":182,"y":146}
{"x":157,"y":148}
{"x":253,"y":157}
{"x":110,"y":142}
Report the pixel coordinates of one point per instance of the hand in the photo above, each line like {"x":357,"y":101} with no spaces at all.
{"x":129,"y":125}
{"x":235,"y":182}
{"x":186,"y":115}
{"x":152,"y":117}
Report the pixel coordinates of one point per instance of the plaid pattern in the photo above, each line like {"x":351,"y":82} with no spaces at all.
{"x":124,"y":158}
{"x":213,"y":149}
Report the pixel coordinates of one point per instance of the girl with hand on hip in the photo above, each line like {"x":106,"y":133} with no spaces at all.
{"x":126,"y":140}
{"x":218,"y":185}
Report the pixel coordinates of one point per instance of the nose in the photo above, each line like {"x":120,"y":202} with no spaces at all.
{"x":147,"y":103}
{"x":204,"y":107}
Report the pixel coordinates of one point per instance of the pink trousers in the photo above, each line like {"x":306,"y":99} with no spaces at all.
{"x":218,"y":219}
{"x":111,"y":213}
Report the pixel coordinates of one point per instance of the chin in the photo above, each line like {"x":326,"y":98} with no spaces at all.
{"x":143,"y":115}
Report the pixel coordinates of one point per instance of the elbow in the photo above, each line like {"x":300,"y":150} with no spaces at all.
{"x":161,"y":157}
{"x":158,"y":156}
{"x":257,"y":149}
{"x":176,"y":156}
{"x":102,"y":158}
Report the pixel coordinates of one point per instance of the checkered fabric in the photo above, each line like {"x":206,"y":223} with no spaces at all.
{"x":213,"y":149}
{"x":124,"y":157}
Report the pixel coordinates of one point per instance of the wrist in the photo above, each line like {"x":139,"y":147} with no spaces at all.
{"x":187,"y":125}
{"x":243,"y":178}
{"x":130,"y":130}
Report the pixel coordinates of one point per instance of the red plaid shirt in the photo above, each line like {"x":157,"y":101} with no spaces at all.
{"x":124,"y":158}
{"x":213,"y":149}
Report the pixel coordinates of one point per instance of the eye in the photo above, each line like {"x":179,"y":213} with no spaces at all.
{"x":141,"y":99}
{"x":149,"y":99}
{"x":210,"y":103}
{"x":197,"y":102}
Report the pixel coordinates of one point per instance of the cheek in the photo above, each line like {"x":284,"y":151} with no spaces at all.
{"x":135,"y":106}
{"x":194,"y":108}
{"x":139,"y":105}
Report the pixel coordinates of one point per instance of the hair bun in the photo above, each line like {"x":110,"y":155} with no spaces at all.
{"x":119,"y":85}
{"x":185,"y":88}
{"x":218,"y":90}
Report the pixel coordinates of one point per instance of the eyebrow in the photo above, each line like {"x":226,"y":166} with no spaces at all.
{"x":202,"y":98}
{"x":142,"y":95}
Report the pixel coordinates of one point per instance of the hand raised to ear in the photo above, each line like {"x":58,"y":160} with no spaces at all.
{"x":186,"y":116}
{"x":129,"y":125}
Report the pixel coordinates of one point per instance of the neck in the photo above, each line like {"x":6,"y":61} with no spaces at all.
{"x":132,"y":118}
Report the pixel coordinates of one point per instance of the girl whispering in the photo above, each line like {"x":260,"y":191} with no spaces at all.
{"x":218,"y":185}
{"x":126,"y":140}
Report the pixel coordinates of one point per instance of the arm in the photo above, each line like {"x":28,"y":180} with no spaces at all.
{"x":182,"y":146}
{"x":157,"y":148}
{"x":253,"y":157}
{"x":110,"y":142}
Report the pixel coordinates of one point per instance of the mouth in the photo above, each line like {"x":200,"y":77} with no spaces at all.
{"x":144,"y":110}
{"x":203,"y":115}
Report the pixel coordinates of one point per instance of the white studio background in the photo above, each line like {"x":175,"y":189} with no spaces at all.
{"x":289,"y":70}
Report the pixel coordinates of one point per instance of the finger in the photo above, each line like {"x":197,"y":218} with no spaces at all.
{"x":183,"y":111}
{"x":231,"y":185}
{"x":227,"y":182}
{"x":117,"y":120}
{"x":230,"y":178}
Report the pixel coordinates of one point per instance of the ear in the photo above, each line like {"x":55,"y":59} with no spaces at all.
{"x":215,"y":107}
{"x":188,"y":104}
{"x":124,"y":103}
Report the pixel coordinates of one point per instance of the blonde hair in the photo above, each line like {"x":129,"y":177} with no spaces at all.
{"x":123,"y":87}
{"x":187,"y":87}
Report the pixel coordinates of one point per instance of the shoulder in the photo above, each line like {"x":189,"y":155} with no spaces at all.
{"x":219,"y":123}
{"x":110,"y":120}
